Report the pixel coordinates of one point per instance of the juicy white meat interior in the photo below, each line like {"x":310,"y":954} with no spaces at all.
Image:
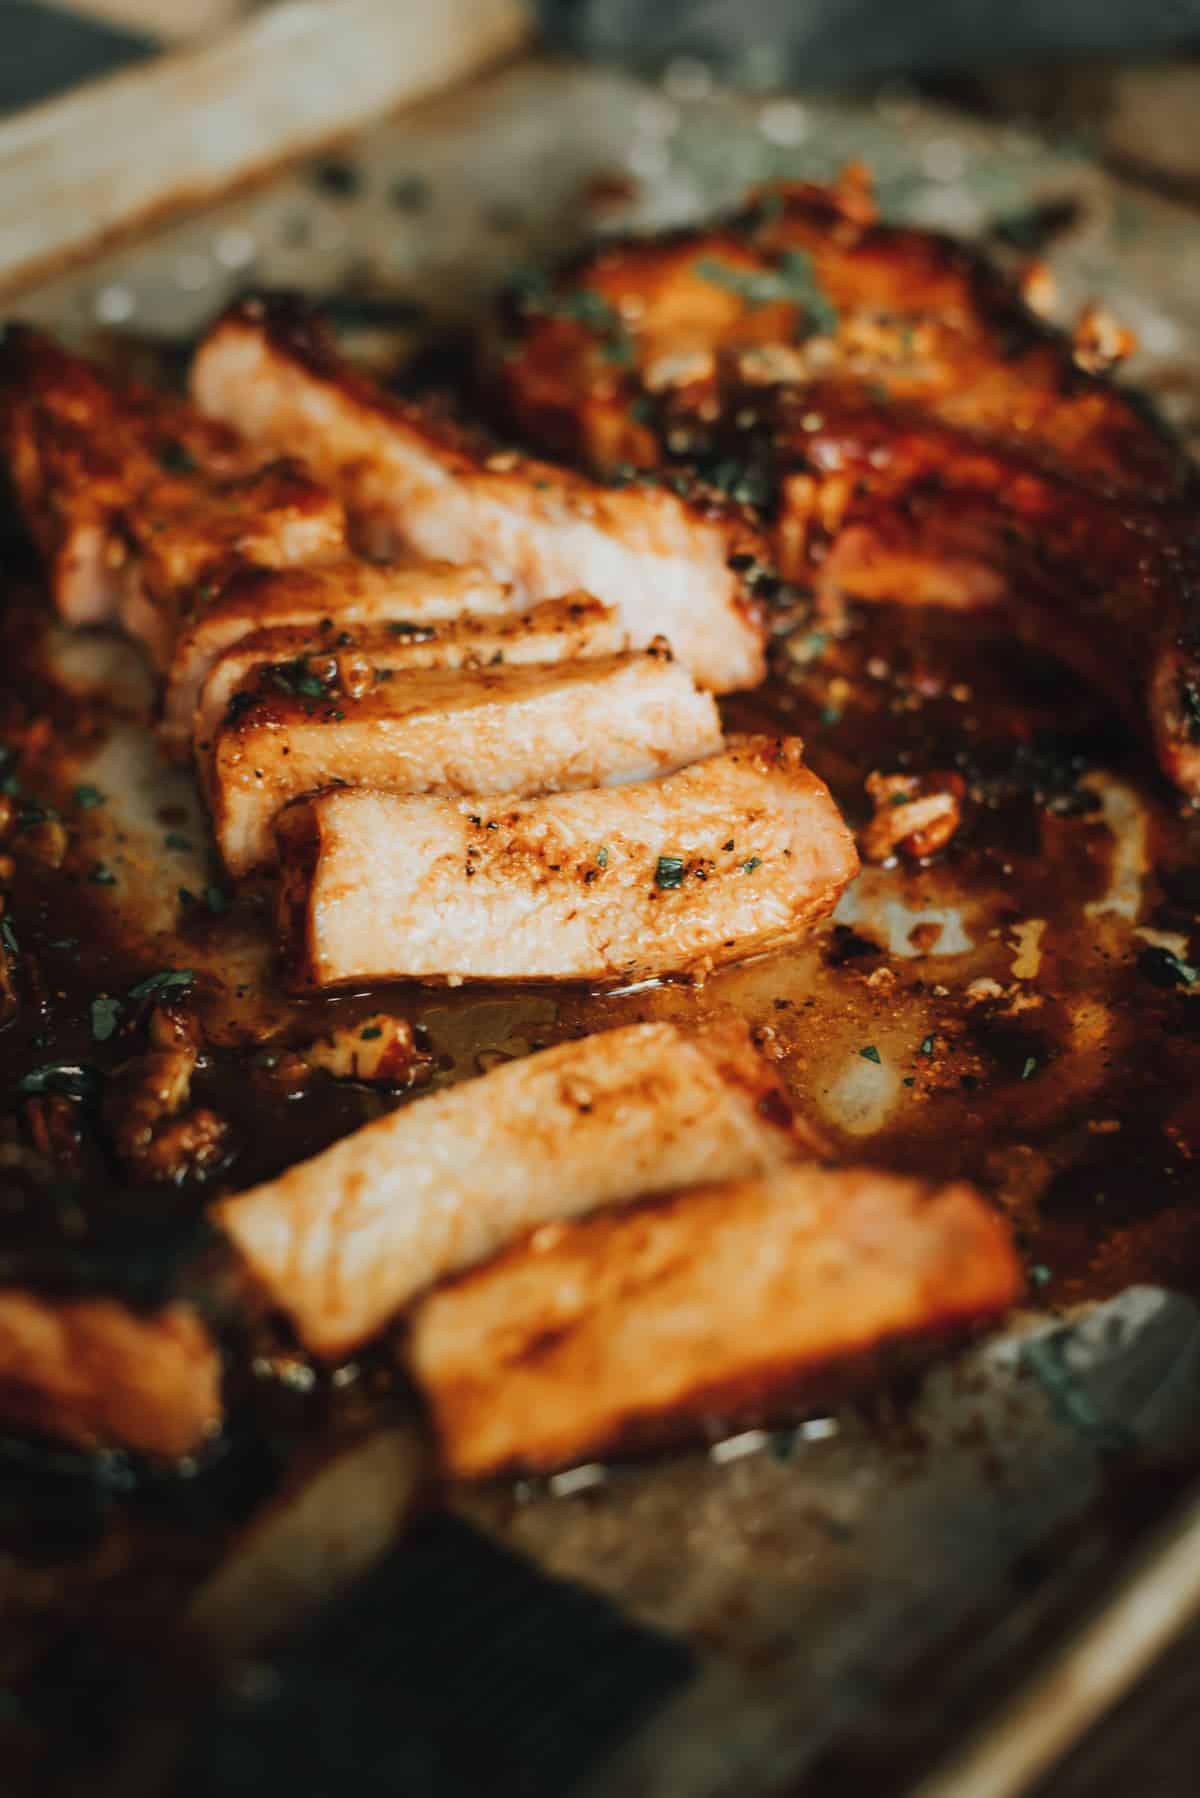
{"x":348,"y":594}
{"x":663,"y":562}
{"x":656,"y":1321}
{"x":519,"y":730}
{"x":558,"y":630}
{"x":341,"y":1242}
{"x":736,"y":854}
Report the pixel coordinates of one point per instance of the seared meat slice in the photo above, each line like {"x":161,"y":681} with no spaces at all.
{"x":342,"y":596}
{"x":671,"y":567}
{"x":341,"y":1242}
{"x":739,"y":1302}
{"x":134,"y":500}
{"x":558,"y":630}
{"x":514,"y":730}
{"x":99,"y":1375}
{"x":732,"y":856}
{"x":805,"y":285}
{"x":884,"y":506}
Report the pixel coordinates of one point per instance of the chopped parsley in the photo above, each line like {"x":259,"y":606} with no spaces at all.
{"x":216,"y":899}
{"x":1165,"y":968}
{"x":88,"y":798}
{"x":754,"y":862}
{"x":1029,"y":1069}
{"x":370,"y":1033}
{"x":871,"y":1053}
{"x":582,"y":306}
{"x":167,"y":980}
{"x":8,"y":936}
{"x":926,"y":1047}
{"x":176,"y":458}
{"x":101,"y":876}
{"x":742,"y":482}
{"x":106,"y":1016}
{"x":602,"y":858}
{"x":1070,"y":1399}
{"x":831,"y":714}
{"x":298,"y":678}
{"x":791,"y":283}
{"x":668,"y":874}
{"x":75,"y":1080}
{"x":174,"y":839}
{"x":1039,"y":1276}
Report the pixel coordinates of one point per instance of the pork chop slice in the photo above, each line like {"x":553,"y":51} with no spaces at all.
{"x":513,"y":730}
{"x":670,"y":566}
{"x":345,"y":595}
{"x":735,"y":1304}
{"x":557,"y":630}
{"x":340,"y":1243}
{"x":734,"y":855}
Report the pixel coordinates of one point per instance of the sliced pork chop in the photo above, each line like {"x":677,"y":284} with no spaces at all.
{"x":737,"y":854}
{"x":99,"y":1375}
{"x":736,"y":1303}
{"x":670,"y":566}
{"x":346,"y":595}
{"x":340,"y":1243}
{"x":512,"y":730}
{"x":558,"y":630}
{"x":134,"y":500}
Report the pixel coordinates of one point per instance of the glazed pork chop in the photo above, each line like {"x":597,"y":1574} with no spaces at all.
{"x":734,"y":855}
{"x":883,"y":505}
{"x":913,"y":433}
{"x":671,"y":567}
{"x":135,"y":501}
{"x":736,"y":1302}
{"x":804,"y":284}
{"x":514,"y":730}
{"x":340,"y":1243}
{"x":557,"y":631}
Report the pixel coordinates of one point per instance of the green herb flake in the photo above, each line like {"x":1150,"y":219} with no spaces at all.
{"x":668,"y":873}
{"x":831,"y":714}
{"x":1070,"y":1399}
{"x":1029,"y":1067}
{"x":1039,"y":1276}
{"x":298,"y":679}
{"x":216,"y":899}
{"x":908,"y":1080}
{"x":791,"y":282}
{"x":167,"y":980}
{"x":75,"y":1080}
{"x":106,"y":1016}
{"x":370,"y":1033}
{"x":176,"y":458}
{"x":871,"y":1053}
{"x":602,"y":858}
{"x":88,"y":798}
{"x":926,"y":1047}
{"x":101,"y":876}
{"x":8,"y":937}
{"x":174,"y":839}
{"x":754,"y":862}
{"x":65,"y":943}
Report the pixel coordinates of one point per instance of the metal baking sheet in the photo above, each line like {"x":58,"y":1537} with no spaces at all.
{"x":859,"y":1591}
